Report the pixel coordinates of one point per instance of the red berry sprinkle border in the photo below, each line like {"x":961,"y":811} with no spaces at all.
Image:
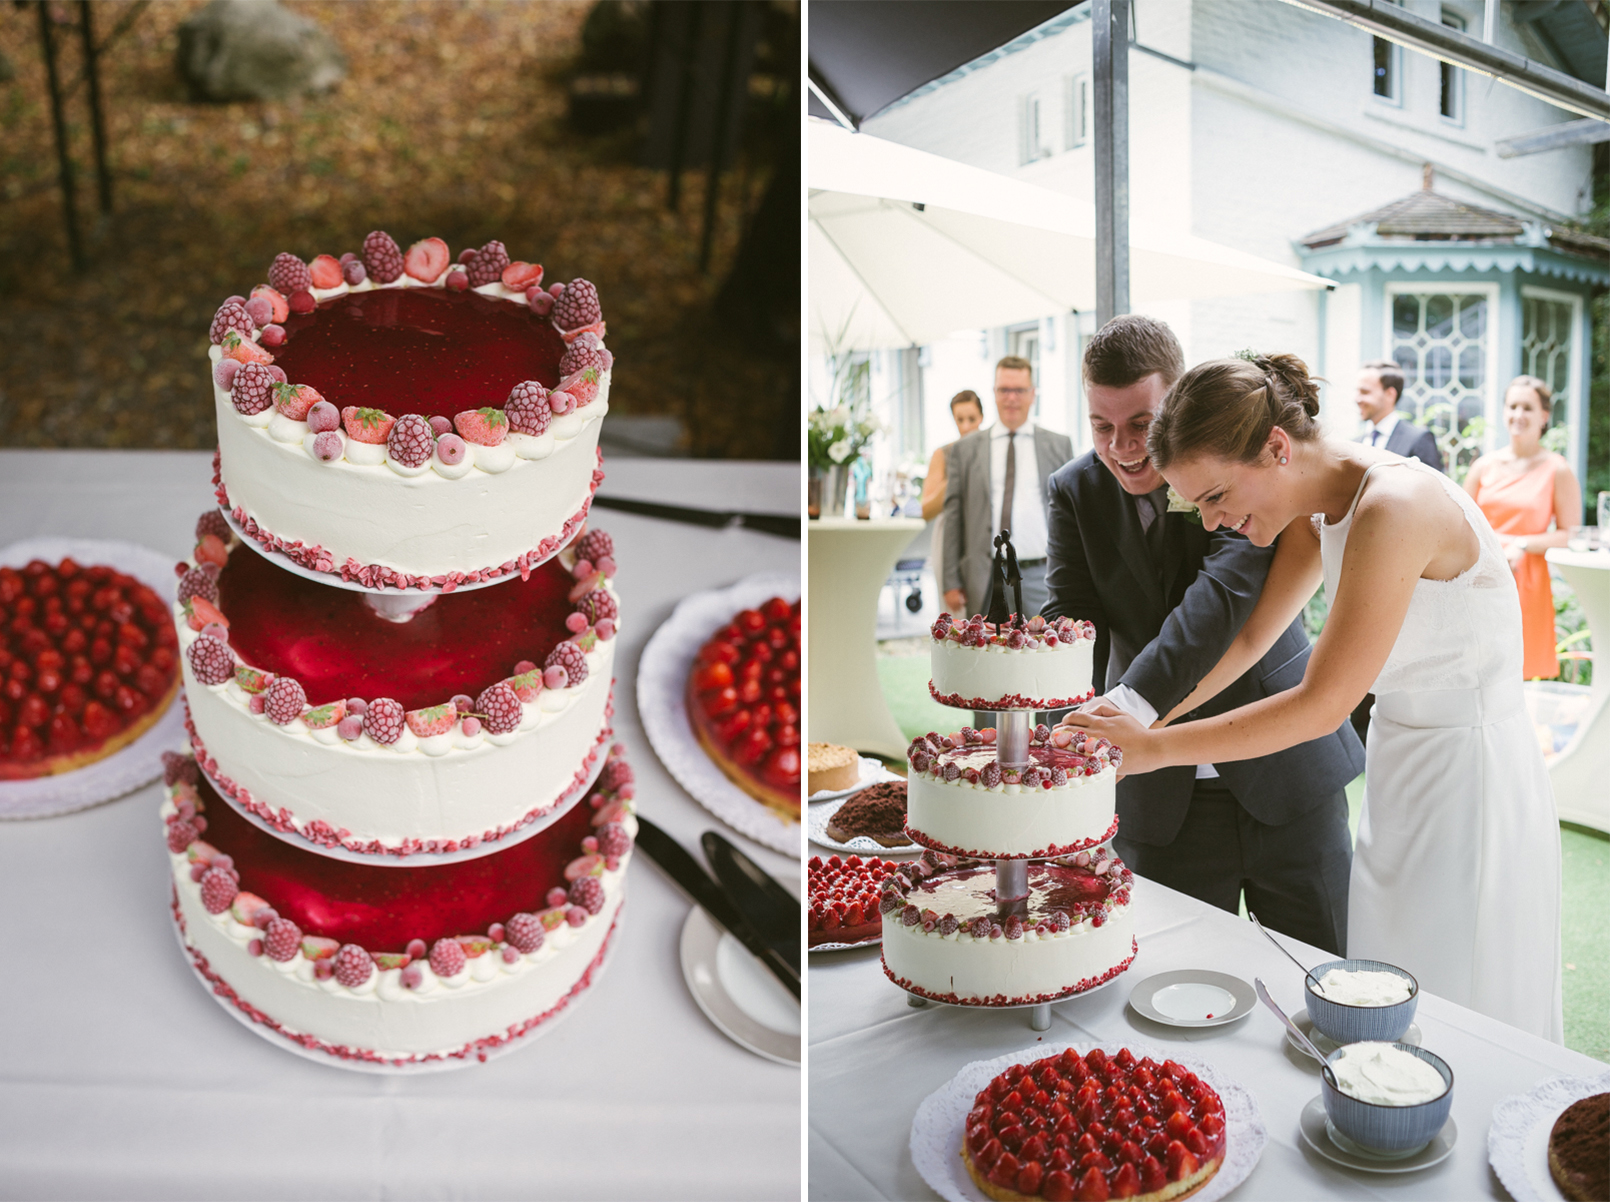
{"x":1001,"y":1000}
{"x":1046,"y":853}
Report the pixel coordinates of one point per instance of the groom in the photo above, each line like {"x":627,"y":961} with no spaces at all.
{"x":1167,"y":598}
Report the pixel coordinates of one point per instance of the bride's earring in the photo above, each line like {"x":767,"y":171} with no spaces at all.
{"x":1282,"y":460}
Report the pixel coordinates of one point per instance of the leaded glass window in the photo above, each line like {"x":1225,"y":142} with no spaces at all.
{"x":1441,"y":341}
{"x":1547,"y":322}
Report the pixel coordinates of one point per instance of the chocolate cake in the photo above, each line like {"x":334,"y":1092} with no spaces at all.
{"x":1579,"y":1150}
{"x":877,"y":812}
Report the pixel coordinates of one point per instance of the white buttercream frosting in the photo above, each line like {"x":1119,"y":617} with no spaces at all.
{"x":1011,"y":819}
{"x":1386,"y":1075}
{"x":1363,"y":987}
{"x":993,"y":671}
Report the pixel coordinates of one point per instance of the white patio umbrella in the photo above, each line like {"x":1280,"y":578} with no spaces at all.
{"x":906,"y":248}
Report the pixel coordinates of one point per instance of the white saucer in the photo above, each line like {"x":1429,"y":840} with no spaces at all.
{"x":1328,"y":1045}
{"x":737,"y":993}
{"x":1338,"y":1149}
{"x":872,"y":771}
{"x":1193,"y":997}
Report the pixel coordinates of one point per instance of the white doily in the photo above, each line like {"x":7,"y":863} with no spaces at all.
{"x":937,"y":1129}
{"x":662,"y":681}
{"x":819,"y":815}
{"x":140,"y":762}
{"x":1518,"y":1140}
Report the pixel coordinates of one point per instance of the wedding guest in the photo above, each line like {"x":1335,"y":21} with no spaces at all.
{"x":967,"y":411}
{"x":1523,"y":489}
{"x":998,"y":482}
{"x":1380,"y":387}
{"x":1167,"y":598}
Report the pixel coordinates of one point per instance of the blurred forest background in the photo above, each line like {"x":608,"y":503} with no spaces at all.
{"x":581,"y":135}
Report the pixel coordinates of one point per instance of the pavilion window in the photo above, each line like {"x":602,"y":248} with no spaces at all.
{"x":1443,"y":343}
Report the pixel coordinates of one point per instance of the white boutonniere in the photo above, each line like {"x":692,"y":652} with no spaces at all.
{"x":1178,"y":504}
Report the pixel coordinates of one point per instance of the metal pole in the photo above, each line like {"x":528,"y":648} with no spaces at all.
{"x":103,"y":177}
{"x":1489,"y":21}
{"x":1110,"y":72}
{"x":1013,"y":729}
{"x":47,"y":37}
{"x":718,"y":148}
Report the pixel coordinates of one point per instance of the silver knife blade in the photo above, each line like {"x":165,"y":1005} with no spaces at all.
{"x":771,"y":909}
{"x":678,"y":864}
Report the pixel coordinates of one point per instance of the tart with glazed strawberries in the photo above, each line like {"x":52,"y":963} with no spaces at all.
{"x":845,"y":894}
{"x":1094,"y":1127}
{"x":88,"y":662}
{"x":743,"y":702}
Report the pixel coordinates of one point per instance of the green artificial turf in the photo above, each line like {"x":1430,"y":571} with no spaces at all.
{"x":1586,"y":867}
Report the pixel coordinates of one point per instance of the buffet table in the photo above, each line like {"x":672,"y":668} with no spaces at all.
{"x":120,"y":1077}
{"x":873,"y":1059}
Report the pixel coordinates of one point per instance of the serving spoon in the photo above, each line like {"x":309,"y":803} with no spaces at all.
{"x":1307,"y":973}
{"x":1302,"y":1040}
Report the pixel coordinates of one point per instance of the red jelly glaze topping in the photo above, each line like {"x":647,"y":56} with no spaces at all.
{"x":419,"y":350}
{"x":336,"y":646}
{"x":382,"y":908}
{"x":1051,"y":887}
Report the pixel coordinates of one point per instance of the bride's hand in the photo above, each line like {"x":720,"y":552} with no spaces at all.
{"x":1138,"y":744}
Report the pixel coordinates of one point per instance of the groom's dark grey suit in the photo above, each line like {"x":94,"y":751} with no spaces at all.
{"x":1276,"y":825}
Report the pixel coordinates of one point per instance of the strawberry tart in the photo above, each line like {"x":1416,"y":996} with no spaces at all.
{"x":845,"y":896}
{"x":1094,"y":1126}
{"x":947,"y":938}
{"x":474,"y":721}
{"x":404,"y":420}
{"x":743,"y":702}
{"x":1016,"y":665}
{"x":377,"y":965}
{"x":88,"y":663}
{"x":961,"y":800}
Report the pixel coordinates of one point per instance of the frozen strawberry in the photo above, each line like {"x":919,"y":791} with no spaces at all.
{"x":353,"y":966}
{"x":518,"y":276}
{"x":289,"y":274}
{"x":211,"y":660}
{"x":243,"y":350}
{"x":318,"y":947}
{"x":485,"y":427}
{"x":294,"y":400}
{"x":576,"y":306}
{"x":475,"y":946}
{"x":286,"y":699}
{"x":325,"y":716}
{"x":218,"y":890}
{"x":436,"y":720}
{"x":410,"y":441}
{"x":384,"y":720}
{"x":527,"y":408}
{"x":488,"y":264}
{"x":583,"y":386}
{"x":447,"y":958}
{"x":232,"y":315}
{"x":281,"y":309}
{"x":524,"y":932}
{"x":389,"y":960}
{"x":527,"y":685}
{"x":252,"y":680}
{"x":325,"y":272}
{"x":367,"y":425}
{"x":500,"y":708}
{"x":252,"y":389}
{"x":244,"y":909}
{"x":572,"y":659}
{"x":426,"y":260}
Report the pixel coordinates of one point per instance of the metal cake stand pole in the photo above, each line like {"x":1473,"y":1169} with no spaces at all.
{"x":1013,"y":729}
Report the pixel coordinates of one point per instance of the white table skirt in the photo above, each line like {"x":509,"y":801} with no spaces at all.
{"x":120,"y":1077}
{"x":873,"y":1059}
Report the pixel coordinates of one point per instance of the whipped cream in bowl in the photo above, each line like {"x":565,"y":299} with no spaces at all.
{"x":1363,"y":987}
{"x":1389,"y":1099}
{"x":1351,"y":1001}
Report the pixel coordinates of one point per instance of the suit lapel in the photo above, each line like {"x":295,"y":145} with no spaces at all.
{"x":1131,"y":540}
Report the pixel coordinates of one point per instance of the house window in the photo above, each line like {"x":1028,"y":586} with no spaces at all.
{"x":1076,"y":114}
{"x":1453,"y":79}
{"x":1031,"y":140}
{"x":1386,"y":69}
{"x":1547,"y":322}
{"x":1024,"y":342}
{"x":1443,"y":342}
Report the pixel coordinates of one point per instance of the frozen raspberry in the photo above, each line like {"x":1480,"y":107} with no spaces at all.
{"x":384,"y":720}
{"x":488,"y":264}
{"x":289,"y":274}
{"x":447,"y":958}
{"x":197,"y":583}
{"x":572,"y":659}
{"x":1014,"y":927}
{"x":991,"y":775}
{"x":979,"y":927}
{"x":501,"y":708}
{"x":176,"y":767}
{"x":382,"y":257}
{"x":285,"y":701}
{"x":410,"y":442}
{"x":524,"y":932}
{"x":212,"y":522}
{"x":180,"y":836}
{"x":252,"y":389}
{"x":282,"y":939}
{"x":527,"y":408}
{"x":1059,"y":777}
{"x":577,"y":306}
{"x":613,"y":840}
{"x":231,"y":315}
{"x":580,"y":356}
{"x":353,"y":966}
{"x":948,"y":925}
{"x":211,"y":660}
{"x":598,"y":605}
{"x":588,"y":893}
{"x":218,"y":889}
{"x":615,"y":774}
{"x":595,"y":545}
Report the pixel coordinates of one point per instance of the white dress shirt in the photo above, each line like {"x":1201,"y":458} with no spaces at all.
{"x":1028,"y":498}
{"x":1122,"y":697}
{"x":1386,"y":425}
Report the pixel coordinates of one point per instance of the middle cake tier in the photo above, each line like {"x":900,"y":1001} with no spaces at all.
{"x":471,"y":724}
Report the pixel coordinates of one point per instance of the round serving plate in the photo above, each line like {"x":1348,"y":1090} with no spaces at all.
{"x":134,"y":766}
{"x":821,"y":813}
{"x":448,"y":1064}
{"x":1193,"y":997}
{"x":1518,"y":1139}
{"x":662,"y":680}
{"x":1323,"y":1138}
{"x":422,"y":859}
{"x":940,"y":1122}
{"x":737,"y":992}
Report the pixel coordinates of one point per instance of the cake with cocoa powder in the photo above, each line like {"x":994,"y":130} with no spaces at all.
{"x":877,"y":812}
{"x":1094,"y":1126}
{"x":1579,"y":1150}
{"x":830,"y":768}
{"x":1013,"y":665}
{"x":88,"y":663}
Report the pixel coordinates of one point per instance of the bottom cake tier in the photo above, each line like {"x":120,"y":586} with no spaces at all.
{"x":376,"y":965}
{"x":945,"y":938}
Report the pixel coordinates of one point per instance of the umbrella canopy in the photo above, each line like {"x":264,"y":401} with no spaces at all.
{"x":906,"y":248}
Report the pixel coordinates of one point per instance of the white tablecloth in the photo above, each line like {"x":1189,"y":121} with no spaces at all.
{"x":120,"y":1077}
{"x":873,"y":1059}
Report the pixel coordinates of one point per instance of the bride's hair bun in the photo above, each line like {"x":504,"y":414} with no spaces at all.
{"x":1228,"y":408}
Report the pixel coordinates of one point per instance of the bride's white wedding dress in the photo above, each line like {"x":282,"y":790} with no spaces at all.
{"x":1456,"y":874}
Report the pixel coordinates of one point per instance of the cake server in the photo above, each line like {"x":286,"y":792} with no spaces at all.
{"x":772,"y":910}
{"x":766,"y":523}
{"x":678,"y":863}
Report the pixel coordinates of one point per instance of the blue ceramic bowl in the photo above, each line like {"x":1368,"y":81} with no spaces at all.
{"x":1344,"y":1023}
{"x":1389,"y":1129}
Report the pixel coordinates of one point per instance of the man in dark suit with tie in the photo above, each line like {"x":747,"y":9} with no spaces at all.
{"x":1167,"y":598}
{"x":1380,"y":386}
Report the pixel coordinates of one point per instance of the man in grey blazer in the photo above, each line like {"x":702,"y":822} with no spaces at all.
{"x":1380,"y":385}
{"x":997,"y":480}
{"x":1167,"y":598}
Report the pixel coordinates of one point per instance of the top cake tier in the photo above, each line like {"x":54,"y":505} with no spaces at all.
{"x":398,"y":421}
{"x":1033,"y":665}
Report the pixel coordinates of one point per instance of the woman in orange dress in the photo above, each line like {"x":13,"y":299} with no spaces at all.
{"x":1522,"y":489}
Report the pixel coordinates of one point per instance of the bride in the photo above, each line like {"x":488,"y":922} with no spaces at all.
{"x":1456,"y":875}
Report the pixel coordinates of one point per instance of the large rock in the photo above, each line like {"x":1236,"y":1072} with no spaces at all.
{"x":255,"y":50}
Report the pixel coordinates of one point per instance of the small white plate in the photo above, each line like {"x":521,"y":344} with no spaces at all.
{"x":872,"y":771}
{"x":1518,"y":1139}
{"x":1316,"y":1131}
{"x":818,"y":816}
{"x":1328,"y":1045}
{"x":737,"y":993}
{"x":1193,"y":997}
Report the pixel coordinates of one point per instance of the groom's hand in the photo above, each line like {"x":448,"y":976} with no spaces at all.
{"x":955,"y":600}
